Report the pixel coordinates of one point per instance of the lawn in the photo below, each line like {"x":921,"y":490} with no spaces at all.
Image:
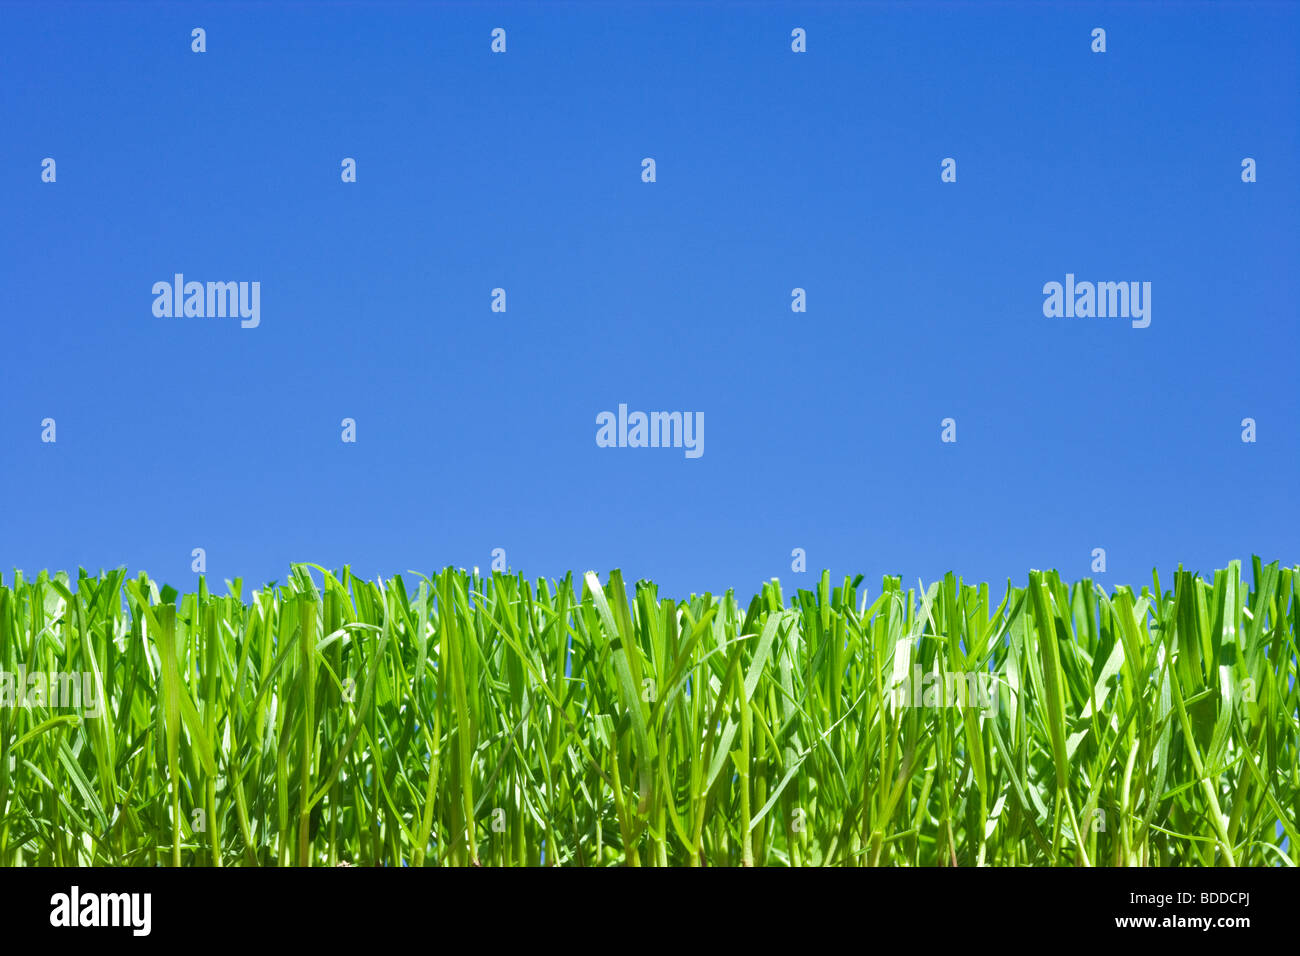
{"x":463,"y":720}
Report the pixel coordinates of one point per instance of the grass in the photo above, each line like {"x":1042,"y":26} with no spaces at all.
{"x":467,"y":720}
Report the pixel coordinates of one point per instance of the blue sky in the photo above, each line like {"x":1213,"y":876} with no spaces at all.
{"x":775,"y":170}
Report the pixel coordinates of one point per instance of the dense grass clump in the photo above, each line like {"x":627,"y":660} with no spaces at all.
{"x":472,"y":720}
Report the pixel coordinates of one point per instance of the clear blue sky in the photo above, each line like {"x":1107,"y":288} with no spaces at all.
{"x":775,"y":170}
